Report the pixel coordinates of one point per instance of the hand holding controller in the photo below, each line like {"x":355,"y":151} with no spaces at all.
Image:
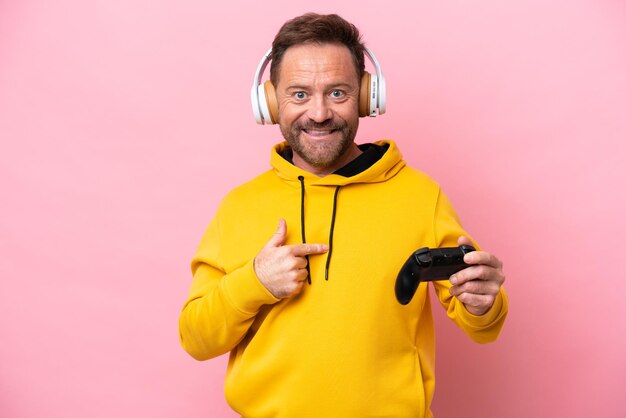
{"x":428,"y":264}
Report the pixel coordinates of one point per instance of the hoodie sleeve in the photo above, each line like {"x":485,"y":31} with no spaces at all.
{"x":484,"y":328}
{"x":222,"y":305}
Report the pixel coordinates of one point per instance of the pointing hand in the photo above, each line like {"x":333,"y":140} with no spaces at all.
{"x":282,"y":269}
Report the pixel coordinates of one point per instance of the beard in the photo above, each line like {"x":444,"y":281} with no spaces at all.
{"x":323,"y":154}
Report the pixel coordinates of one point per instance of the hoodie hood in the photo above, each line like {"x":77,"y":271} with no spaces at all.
{"x":382,"y":170}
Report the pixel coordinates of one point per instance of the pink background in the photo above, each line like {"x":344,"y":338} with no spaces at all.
{"x":123,"y":123}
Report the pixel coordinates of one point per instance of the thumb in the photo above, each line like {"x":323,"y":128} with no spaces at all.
{"x":463,"y":240}
{"x":279,"y":237}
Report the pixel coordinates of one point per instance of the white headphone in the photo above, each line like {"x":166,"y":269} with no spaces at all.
{"x":372,"y":96}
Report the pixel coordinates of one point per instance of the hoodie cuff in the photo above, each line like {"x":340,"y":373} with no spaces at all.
{"x":244,"y":291}
{"x":486,"y":319}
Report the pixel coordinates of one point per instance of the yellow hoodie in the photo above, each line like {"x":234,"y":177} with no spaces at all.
{"x":343,"y":347}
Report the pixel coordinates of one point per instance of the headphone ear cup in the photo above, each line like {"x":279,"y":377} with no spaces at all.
{"x":272,"y":101}
{"x":382,"y":95}
{"x":364,"y":95}
{"x":268,"y":105}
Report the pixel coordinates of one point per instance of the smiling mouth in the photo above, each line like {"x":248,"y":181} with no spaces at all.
{"x":319,"y":132}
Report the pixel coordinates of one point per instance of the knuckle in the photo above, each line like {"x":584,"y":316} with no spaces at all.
{"x":475,"y":271}
{"x":299,"y":262}
{"x":474,"y":301}
{"x":493,"y":290}
{"x":466,"y":274}
{"x":461,"y":288}
{"x":293,"y":275}
{"x":301,"y":275}
{"x":291,"y":263}
{"x":482,"y":271}
{"x":464,"y":297}
{"x":461,"y":276}
{"x":472,"y":287}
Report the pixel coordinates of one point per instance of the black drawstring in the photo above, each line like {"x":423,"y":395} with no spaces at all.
{"x":308,"y":269}
{"x":332,"y":229}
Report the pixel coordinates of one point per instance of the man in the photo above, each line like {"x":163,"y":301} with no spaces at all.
{"x":307,"y":308}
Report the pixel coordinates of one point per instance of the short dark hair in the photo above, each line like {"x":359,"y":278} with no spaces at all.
{"x":317,"y":29}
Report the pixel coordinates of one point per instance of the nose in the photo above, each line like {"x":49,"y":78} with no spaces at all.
{"x":319,"y":111}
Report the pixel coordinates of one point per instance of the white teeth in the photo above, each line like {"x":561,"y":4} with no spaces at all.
{"x":314,"y":132}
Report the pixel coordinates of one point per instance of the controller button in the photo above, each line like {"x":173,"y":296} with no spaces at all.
{"x":424,"y":259}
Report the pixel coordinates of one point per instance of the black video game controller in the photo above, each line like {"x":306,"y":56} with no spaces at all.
{"x":426,"y":265}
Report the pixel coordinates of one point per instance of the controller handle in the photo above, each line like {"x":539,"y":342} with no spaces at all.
{"x":426,"y":265}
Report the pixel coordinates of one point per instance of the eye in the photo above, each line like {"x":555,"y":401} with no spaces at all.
{"x":337,"y":94}
{"x":300,"y":95}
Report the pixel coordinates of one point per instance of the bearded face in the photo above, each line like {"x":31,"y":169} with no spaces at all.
{"x":318,"y":91}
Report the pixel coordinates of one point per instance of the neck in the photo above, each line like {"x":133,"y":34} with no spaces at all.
{"x":350,"y":154}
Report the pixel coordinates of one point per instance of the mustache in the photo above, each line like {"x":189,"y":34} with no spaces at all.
{"x":324,"y":126}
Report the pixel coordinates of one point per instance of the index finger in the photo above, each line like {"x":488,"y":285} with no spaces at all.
{"x":482,"y":257}
{"x":300,"y":250}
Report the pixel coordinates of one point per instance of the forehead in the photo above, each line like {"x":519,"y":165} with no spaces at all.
{"x":317,"y":63}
